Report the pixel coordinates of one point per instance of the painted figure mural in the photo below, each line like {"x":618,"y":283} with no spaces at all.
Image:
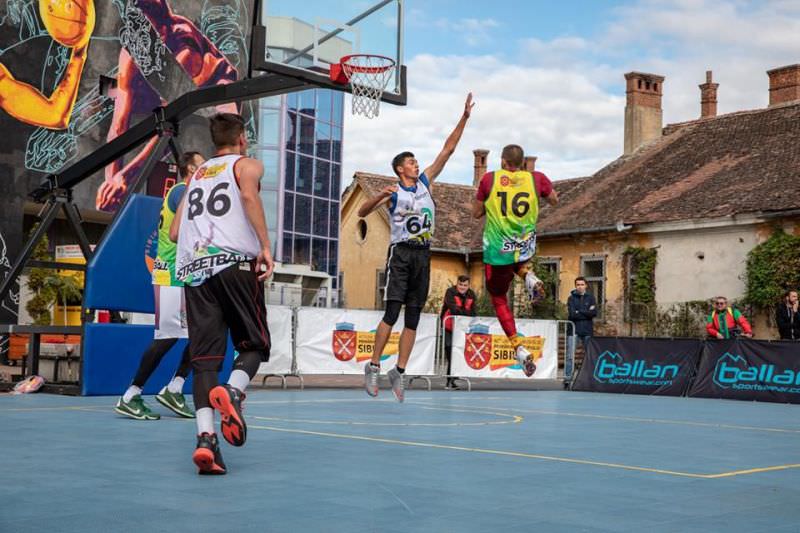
{"x":52,"y":113}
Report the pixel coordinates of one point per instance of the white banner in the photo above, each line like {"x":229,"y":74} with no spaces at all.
{"x":340,"y":341}
{"x":482,"y":350}
{"x":279,"y":322}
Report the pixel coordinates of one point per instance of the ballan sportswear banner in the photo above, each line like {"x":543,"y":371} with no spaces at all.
{"x":638,"y":366}
{"x":746,"y":369}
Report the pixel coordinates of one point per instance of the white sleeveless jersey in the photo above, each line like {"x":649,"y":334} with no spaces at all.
{"x":413,"y":213}
{"x":215,"y":232}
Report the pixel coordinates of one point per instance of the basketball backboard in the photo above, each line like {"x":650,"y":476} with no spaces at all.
{"x":302,"y":39}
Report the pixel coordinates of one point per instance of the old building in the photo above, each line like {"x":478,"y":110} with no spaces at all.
{"x":701,"y":194}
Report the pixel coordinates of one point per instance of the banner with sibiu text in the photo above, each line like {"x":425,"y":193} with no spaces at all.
{"x":638,"y":366}
{"x":747,"y":369}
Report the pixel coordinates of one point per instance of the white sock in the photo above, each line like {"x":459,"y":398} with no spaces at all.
{"x":239,"y":379}
{"x":132,"y":391}
{"x":205,"y":420}
{"x":176,"y":385}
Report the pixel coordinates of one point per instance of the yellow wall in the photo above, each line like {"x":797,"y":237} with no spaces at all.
{"x":360,"y":260}
{"x":569,"y":252}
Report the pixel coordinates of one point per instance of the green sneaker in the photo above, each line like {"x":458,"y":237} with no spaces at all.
{"x":175,"y":402}
{"x":136,"y":408}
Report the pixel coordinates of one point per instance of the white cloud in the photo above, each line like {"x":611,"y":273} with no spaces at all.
{"x":558,"y":115}
{"x":563,"y":99}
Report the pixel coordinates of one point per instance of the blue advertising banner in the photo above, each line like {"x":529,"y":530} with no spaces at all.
{"x":746,"y":369}
{"x":638,"y":366}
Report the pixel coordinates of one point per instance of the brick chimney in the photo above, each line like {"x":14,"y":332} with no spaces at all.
{"x":784,"y":85}
{"x":708,"y":97}
{"x":643,"y":115}
{"x":530,"y":163}
{"x":480,"y":165}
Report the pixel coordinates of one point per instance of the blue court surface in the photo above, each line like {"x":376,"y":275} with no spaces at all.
{"x":339,"y":461}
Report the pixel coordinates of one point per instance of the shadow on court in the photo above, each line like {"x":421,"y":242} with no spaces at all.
{"x":335,"y":460}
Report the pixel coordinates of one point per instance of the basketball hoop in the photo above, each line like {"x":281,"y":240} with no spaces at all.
{"x":368,"y":76}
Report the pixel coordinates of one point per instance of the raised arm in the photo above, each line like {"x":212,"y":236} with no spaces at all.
{"x":27,"y":104}
{"x":373,"y":203}
{"x":450,"y":144}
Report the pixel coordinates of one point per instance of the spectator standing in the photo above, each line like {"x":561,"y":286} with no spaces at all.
{"x":458,"y":301}
{"x":788,"y":317}
{"x":582,"y":308}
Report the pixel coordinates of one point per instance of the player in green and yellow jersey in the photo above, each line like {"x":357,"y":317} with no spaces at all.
{"x":170,"y":319}
{"x":510,"y":200}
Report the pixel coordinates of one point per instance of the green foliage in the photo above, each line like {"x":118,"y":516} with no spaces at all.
{"x":686,"y":319}
{"x":48,"y":287}
{"x":772,"y":267}
{"x":43,"y":294}
{"x":642,"y":269}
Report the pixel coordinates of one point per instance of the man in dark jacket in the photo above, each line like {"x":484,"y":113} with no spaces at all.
{"x":582,"y":308}
{"x":788,"y":317}
{"x":458,"y":300}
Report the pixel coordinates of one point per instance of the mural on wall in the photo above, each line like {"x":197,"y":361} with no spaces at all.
{"x":53,"y":54}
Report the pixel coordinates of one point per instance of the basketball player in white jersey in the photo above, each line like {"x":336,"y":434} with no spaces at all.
{"x":223,"y":257}
{"x":412,"y":216}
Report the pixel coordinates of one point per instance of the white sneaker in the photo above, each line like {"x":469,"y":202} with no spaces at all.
{"x":371,"y":379}
{"x":525,"y":360}
{"x":398,"y":382}
{"x":534,"y":286}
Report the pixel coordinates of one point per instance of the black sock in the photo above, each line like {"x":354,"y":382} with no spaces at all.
{"x":401,"y":370}
{"x":374,"y":365}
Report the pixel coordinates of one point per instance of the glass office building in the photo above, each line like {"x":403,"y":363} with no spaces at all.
{"x":300,"y":144}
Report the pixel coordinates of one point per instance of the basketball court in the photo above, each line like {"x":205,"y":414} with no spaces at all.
{"x":321,"y":460}
{"x":336,"y":460}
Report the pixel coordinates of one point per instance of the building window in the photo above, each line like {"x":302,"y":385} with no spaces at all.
{"x":553,"y":269}
{"x":594,"y":270}
{"x":380,"y":288}
{"x":362,"y":230}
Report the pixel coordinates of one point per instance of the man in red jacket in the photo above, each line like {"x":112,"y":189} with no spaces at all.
{"x":725,"y":322}
{"x":458,"y":300}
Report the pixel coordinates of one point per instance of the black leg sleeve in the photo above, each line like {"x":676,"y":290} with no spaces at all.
{"x":249,"y":362}
{"x":151,"y":358}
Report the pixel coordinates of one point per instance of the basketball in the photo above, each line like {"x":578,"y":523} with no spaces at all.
{"x":69,"y":22}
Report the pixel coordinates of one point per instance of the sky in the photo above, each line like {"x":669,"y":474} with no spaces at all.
{"x":549,"y":75}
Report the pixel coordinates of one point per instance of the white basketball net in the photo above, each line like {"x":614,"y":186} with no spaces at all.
{"x":368,"y":76}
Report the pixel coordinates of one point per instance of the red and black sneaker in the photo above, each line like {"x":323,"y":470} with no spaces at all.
{"x":207,"y":456}
{"x":228,"y":401}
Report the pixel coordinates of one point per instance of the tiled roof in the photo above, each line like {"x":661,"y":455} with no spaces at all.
{"x":747,"y":162}
{"x":740,"y":163}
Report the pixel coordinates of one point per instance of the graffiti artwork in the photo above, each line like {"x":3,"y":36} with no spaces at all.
{"x":53,"y":54}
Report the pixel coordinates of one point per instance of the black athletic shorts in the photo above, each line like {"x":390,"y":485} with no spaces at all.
{"x":408,"y":273}
{"x":231,"y":300}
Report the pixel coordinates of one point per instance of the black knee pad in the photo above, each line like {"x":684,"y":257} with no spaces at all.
{"x":412,"y":317}
{"x":392,"y":312}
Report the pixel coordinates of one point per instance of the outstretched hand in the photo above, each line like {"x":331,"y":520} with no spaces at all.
{"x":468,"y":105}
{"x":389,"y":190}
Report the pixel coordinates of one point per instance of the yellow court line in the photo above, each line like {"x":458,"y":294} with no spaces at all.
{"x":514,"y":419}
{"x":645,"y":420}
{"x":487,"y":451}
{"x":531,"y":455}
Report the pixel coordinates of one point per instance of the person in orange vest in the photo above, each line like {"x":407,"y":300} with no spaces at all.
{"x":458,"y":300}
{"x":725,"y":322}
